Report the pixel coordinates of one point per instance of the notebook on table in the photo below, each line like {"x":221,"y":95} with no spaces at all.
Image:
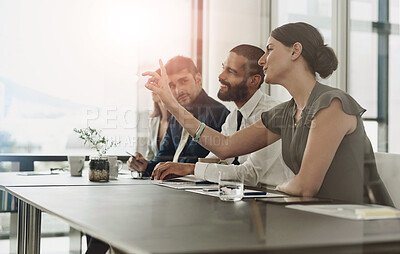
{"x":351,"y":211}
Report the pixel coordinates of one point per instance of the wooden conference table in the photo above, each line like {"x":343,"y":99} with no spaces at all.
{"x":146,"y":218}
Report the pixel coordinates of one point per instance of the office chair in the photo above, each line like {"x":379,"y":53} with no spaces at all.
{"x":388,"y":165}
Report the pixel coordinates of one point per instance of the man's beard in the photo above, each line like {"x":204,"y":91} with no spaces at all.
{"x":236,"y":93}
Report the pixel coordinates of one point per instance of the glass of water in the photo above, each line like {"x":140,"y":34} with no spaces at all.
{"x":230,"y":186}
{"x":136,"y":174}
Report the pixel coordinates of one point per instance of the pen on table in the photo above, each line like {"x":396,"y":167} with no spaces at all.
{"x":204,"y":182}
{"x":258,"y":193}
{"x":131,"y":154}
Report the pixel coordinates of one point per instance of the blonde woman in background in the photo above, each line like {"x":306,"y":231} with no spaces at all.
{"x":158,"y":124}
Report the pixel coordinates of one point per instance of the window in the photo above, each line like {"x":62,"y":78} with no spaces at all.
{"x":394,"y":77}
{"x":373,"y":78}
{"x":69,"y":64}
{"x":315,"y":12}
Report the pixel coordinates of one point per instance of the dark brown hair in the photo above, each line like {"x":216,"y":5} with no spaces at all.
{"x":319,"y":57}
{"x":179,"y":63}
{"x":253,"y":54}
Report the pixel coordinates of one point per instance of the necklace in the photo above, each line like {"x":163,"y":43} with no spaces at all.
{"x":299,"y":112}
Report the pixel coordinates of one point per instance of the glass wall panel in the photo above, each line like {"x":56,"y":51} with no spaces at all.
{"x":372,"y":127}
{"x":73,"y":63}
{"x":367,"y":61}
{"x":394,"y":11}
{"x":363,"y":68}
{"x":315,"y":12}
{"x":364,"y":10}
{"x":363,"y":62}
{"x":394,"y":77}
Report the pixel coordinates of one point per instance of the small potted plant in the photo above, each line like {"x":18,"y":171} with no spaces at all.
{"x":99,"y":167}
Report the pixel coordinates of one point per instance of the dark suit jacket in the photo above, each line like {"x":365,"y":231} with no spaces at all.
{"x":206,"y":110}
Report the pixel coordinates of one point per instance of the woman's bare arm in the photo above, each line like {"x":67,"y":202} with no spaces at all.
{"x":245,"y":141}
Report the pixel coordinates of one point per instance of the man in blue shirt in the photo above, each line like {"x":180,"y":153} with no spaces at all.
{"x":185,"y":80}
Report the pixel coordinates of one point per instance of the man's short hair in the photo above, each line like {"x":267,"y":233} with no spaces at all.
{"x":179,"y":63}
{"x":253,"y":54}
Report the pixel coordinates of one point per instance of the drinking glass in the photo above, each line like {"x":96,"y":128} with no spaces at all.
{"x":230,"y":186}
{"x":136,"y":174}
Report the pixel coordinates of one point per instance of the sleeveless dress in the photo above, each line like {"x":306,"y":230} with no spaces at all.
{"x":352,"y":175}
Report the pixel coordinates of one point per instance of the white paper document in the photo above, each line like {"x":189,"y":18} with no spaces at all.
{"x":186,"y":182}
{"x":247,"y":193}
{"x":354,"y":212}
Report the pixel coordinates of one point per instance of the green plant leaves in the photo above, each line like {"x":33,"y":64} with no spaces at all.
{"x":93,"y":136}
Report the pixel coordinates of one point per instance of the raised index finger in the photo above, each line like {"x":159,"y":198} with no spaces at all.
{"x":162,"y":67}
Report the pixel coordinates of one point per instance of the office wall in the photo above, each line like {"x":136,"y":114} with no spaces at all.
{"x":228,"y":23}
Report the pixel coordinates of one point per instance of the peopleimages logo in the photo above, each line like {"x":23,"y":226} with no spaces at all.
{"x":113,"y":117}
{"x":126,"y":140}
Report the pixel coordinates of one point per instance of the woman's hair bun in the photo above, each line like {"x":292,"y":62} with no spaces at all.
{"x":326,"y":61}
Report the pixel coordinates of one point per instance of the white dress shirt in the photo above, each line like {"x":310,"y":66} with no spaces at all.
{"x":264,"y":166}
